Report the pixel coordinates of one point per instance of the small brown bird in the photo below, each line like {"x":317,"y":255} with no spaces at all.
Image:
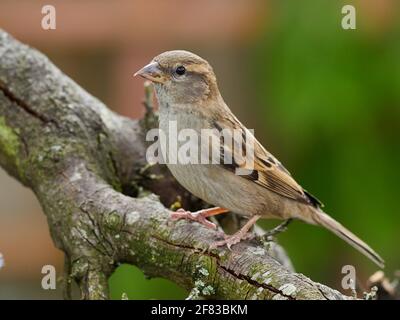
{"x":187,"y":92}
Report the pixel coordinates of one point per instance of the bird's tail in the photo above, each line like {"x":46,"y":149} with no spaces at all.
{"x":323,"y":219}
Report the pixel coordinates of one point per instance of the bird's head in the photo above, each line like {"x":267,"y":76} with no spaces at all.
{"x":181,"y":77}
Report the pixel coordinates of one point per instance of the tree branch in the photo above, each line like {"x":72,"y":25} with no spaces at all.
{"x":86,"y":167}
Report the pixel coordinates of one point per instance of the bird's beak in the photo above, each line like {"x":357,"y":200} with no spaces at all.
{"x":151,"y":72}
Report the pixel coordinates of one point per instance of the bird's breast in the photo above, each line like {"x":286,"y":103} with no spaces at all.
{"x":209,"y":182}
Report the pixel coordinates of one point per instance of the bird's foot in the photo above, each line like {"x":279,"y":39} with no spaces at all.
{"x":230,"y":240}
{"x":275,"y":231}
{"x":242,"y":234}
{"x":198,"y":216}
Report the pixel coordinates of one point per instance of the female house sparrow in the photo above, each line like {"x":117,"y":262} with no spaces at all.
{"x":187,"y":92}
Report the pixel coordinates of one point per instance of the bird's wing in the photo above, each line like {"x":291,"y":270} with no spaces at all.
{"x":264,"y":169}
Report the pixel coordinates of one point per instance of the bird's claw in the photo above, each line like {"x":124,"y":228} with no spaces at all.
{"x":194,"y":216}
{"x":230,"y":240}
{"x":271,"y":234}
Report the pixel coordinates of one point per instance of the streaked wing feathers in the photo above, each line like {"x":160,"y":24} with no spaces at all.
{"x":268,"y":172}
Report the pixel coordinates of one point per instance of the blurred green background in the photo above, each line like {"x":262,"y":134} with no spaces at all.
{"x":331,"y":100}
{"x":324,"y":100}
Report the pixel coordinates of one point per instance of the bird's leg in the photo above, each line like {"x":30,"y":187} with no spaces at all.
{"x":278,"y":229}
{"x":242,"y":234}
{"x":199,"y":216}
{"x":267,"y":236}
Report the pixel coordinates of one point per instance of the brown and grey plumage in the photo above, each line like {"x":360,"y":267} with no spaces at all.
{"x":187,"y":92}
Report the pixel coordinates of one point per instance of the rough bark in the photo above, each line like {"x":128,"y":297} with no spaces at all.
{"x":86,"y":166}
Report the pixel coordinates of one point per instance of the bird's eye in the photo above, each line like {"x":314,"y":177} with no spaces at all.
{"x":180,"y":71}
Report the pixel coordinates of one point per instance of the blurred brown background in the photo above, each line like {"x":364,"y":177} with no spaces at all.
{"x":100,"y":44}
